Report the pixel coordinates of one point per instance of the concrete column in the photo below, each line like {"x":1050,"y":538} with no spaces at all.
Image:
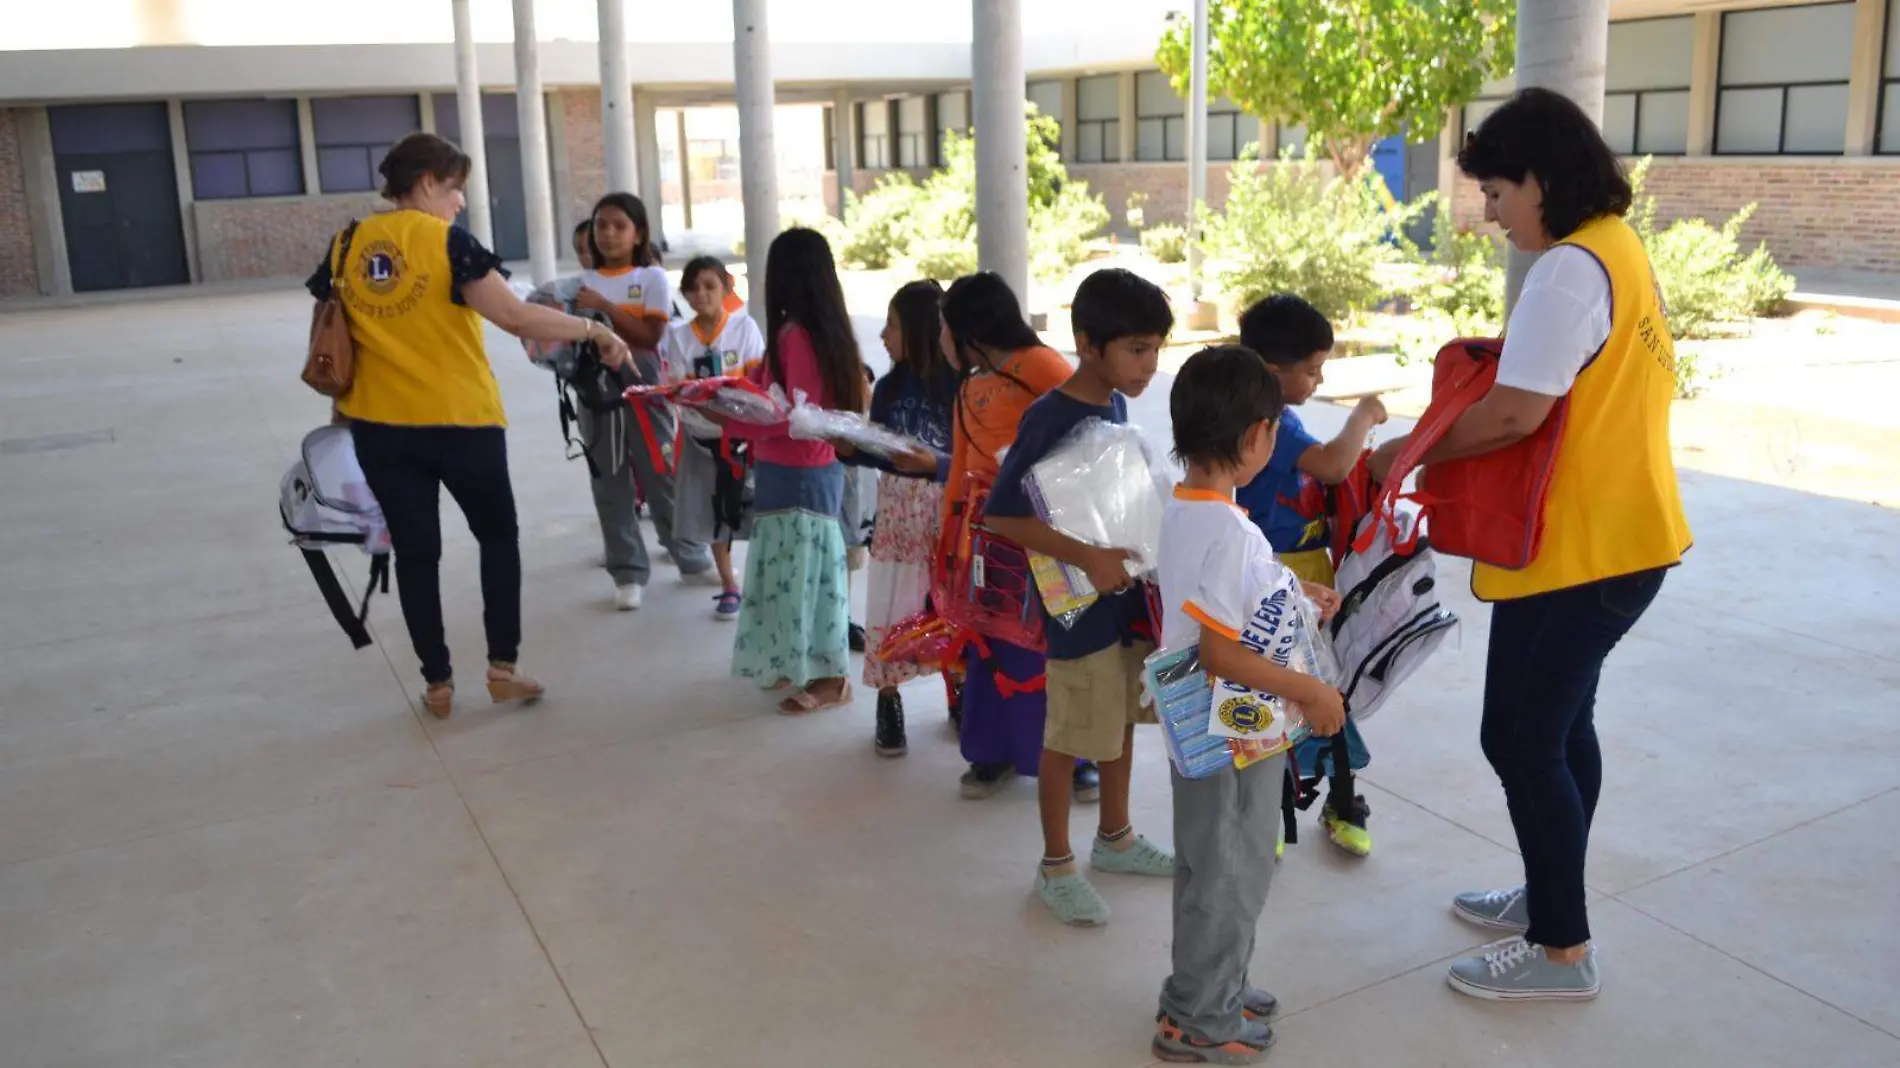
{"x":616,"y":97}
{"x":468,"y":109}
{"x":1068,"y":118}
{"x":307,"y":137}
{"x":646,"y":135}
{"x":758,"y":150}
{"x":1126,"y":126}
{"x":425,"y":111}
{"x":1562,"y":45}
{"x":1002,"y":163}
{"x":531,"y":111}
{"x":1864,"y":77}
{"x":1704,"y":79}
{"x":1268,"y":137}
{"x":686,"y":170}
{"x":561,"y":173}
{"x":844,"y":144}
{"x":40,"y":175}
{"x":181,"y":173}
{"x":1198,"y":314}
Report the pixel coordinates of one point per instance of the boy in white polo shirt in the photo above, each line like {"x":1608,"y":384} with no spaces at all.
{"x":1226,"y":408}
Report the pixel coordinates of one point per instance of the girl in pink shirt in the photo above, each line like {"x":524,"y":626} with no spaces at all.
{"x":793,"y":623}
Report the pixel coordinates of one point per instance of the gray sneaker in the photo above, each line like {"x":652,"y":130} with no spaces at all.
{"x":1515,"y":970}
{"x":1499,"y":910}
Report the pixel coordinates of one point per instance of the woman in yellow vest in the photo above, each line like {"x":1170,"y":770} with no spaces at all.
{"x":1588,"y":331}
{"x":424,"y":408}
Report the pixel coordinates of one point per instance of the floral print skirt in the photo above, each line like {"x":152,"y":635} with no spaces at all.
{"x":795,"y":619}
{"x":909,"y":517}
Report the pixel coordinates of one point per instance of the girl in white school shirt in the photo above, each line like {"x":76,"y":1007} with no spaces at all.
{"x":627,"y":285}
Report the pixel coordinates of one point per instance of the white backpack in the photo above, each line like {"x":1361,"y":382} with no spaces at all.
{"x":324,"y":500}
{"x":1390,"y":620}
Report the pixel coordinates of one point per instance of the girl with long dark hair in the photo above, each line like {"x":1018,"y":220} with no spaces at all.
{"x":793,"y":623}
{"x":627,"y":287}
{"x":1004,"y":368}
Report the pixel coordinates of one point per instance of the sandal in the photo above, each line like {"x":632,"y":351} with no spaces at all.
{"x":805,"y":701}
{"x":507,"y":684}
{"x":439,"y":698}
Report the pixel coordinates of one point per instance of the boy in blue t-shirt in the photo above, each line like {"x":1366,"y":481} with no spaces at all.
{"x":1094,"y":667}
{"x":1295,"y":340}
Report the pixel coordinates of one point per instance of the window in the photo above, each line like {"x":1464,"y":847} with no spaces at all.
{"x":1646,"y":103}
{"x":353,"y":135}
{"x":1047,"y":96}
{"x":953,"y":113}
{"x":1098,"y":119}
{"x":874,"y":135}
{"x":1160,"y":119}
{"x":1489,"y":99}
{"x":243,"y":148}
{"x":913,"y":132}
{"x":1783,"y":83}
{"x":1292,"y":140}
{"x":1890,"y":86}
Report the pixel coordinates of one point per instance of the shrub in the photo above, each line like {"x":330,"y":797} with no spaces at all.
{"x":1059,"y":233}
{"x":1292,"y":228}
{"x":1137,"y":215}
{"x":945,"y":258}
{"x":880,"y":225}
{"x":1705,"y":277}
{"x":1461,"y":284}
{"x":1166,"y":243}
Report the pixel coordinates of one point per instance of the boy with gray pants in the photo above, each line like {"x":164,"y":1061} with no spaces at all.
{"x":620,"y":451}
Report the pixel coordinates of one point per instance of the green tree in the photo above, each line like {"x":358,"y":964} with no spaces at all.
{"x":1351,"y":71}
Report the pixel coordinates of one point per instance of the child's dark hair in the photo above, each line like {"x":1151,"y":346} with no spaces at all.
{"x":1545,"y":133}
{"x":1219,"y":394}
{"x":644,"y":254}
{"x":1284,"y":329}
{"x":981,"y":309}
{"x":585,"y":228}
{"x":419,"y":156}
{"x":699,"y":265}
{"x":1117,"y":303}
{"x":917,"y":307}
{"x":801,"y":286}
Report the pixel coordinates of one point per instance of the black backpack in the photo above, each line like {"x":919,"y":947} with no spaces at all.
{"x":585,"y":382}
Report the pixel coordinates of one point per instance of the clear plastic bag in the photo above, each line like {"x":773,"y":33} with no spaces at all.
{"x":809,"y":422}
{"x":732,"y":398}
{"x":556,"y":356}
{"x":1285,"y":628}
{"x":1104,"y":485}
{"x":1179,"y":690}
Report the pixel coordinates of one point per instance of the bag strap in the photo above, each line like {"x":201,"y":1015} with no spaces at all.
{"x":339,"y":257}
{"x":1444,"y":411}
{"x":347,"y":616}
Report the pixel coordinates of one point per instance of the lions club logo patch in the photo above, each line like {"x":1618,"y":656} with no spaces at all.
{"x":1245,"y":715}
{"x":382,"y":267}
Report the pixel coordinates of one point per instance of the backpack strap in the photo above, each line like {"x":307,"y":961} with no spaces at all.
{"x":1448,"y":405}
{"x":347,"y":616}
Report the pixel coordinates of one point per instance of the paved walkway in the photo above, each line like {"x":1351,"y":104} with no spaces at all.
{"x":227,"y":839}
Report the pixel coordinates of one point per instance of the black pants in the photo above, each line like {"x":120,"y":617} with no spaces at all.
{"x":405,"y":465}
{"x":1539,"y":733}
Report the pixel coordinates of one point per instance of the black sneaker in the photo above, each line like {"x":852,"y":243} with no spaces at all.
{"x":890,"y":726}
{"x":1088,"y":783}
{"x":856,"y":637}
{"x":986,"y":780}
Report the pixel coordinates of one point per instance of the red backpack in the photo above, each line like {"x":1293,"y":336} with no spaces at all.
{"x":1487,"y":508}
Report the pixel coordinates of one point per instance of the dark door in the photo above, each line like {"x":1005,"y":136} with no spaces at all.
{"x":507,"y":200}
{"x":118,"y":196}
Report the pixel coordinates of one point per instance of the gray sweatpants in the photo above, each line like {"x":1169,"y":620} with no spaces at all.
{"x":1225,"y":830}
{"x":624,"y":461}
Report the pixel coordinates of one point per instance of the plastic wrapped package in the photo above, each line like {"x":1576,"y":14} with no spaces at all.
{"x":809,"y":422}
{"x":923,"y":638}
{"x":1285,"y":628}
{"x":1104,"y":485}
{"x":732,"y":398}
{"x":1180,"y":691}
{"x":556,"y":356}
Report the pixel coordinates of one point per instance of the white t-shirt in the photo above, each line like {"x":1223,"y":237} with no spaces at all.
{"x":1560,"y":323}
{"x":1214,"y":563}
{"x":637,"y":290}
{"x":685,"y":354}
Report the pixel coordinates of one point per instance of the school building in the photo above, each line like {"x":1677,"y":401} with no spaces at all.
{"x":164,"y":142}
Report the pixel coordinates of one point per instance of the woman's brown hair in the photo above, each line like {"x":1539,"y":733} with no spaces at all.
{"x":419,"y":156}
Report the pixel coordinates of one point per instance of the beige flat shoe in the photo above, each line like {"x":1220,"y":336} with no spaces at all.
{"x":507,"y":684}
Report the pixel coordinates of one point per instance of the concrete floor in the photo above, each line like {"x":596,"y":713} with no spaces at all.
{"x":227,"y":839}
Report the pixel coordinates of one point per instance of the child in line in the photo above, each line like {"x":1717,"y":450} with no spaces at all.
{"x":710,"y":504}
{"x":792,"y":622}
{"x":1295,"y":340}
{"x":583,"y":237}
{"x":858,"y":517}
{"x":914,"y":399}
{"x":1225,"y":406}
{"x":1004,"y":367}
{"x":627,"y":286}
{"x":1121,"y":321}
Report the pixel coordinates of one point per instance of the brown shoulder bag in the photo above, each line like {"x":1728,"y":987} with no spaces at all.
{"x":330,"y":365}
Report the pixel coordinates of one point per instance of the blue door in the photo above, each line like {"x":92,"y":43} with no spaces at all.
{"x":1388,"y":157}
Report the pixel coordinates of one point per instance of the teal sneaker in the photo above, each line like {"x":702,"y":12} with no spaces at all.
{"x":1516,"y":970}
{"x":1071,"y":898}
{"x":1142,"y":858}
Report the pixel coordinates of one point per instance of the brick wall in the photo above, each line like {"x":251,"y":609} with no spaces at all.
{"x":19,"y":271}
{"x":862,"y":182}
{"x":579,"y":116}
{"x":1812,"y":212}
{"x":1165,"y":183}
{"x":272,"y":237}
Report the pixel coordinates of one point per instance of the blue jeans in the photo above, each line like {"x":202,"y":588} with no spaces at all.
{"x":1539,"y":733}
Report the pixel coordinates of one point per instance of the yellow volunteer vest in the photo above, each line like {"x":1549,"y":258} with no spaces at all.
{"x":1614,"y":508}
{"x":419,"y":355}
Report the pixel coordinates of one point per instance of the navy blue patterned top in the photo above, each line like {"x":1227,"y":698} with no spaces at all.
{"x":902,"y":402}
